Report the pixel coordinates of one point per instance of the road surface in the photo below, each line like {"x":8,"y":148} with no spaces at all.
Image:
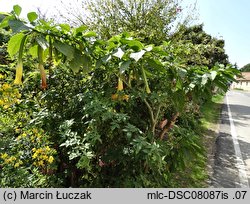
{"x":232,"y":151}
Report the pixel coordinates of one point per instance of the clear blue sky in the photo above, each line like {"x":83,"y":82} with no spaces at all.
{"x":229,"y":19}
{"x":226,"y":19}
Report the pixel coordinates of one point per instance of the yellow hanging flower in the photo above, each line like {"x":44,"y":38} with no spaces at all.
{"x":19,"y":73}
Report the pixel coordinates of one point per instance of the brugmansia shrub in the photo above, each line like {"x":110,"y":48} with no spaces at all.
{"x":114,"y":113}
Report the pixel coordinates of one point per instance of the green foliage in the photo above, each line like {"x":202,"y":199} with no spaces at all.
{"x":109,"y":18}
{"x":209,"y":50}
{"x":245,"y":68}
{"x":116,"y":112}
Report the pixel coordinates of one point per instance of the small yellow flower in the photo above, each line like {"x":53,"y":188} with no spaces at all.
{"x":11,"y":159}
{"x":35,"y":130}
{"x":17,"y":130}
{"x":24,"y":134}
{"x":51,"y":159}
{"x":6,"y":87}
{"x":18,"y":95}
{"x":47,"y":148}
{"x":34,"y":155}
{"x":6,"y":106}
{"x":40,"y":163}
{"x":45,"y":157}
{"x":4,"y":156}
{"x":38,"y":151}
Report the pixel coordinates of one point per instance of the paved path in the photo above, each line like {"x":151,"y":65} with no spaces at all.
{"x":232,"y":155}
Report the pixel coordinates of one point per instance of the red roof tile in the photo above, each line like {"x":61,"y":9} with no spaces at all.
{"x":245,"y":76}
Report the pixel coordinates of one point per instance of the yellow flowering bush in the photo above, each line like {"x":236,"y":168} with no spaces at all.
{"x":30,"y":148}
{"x":9,"y":96}
{"x":10,"y":160}
{"x":43,"y":156}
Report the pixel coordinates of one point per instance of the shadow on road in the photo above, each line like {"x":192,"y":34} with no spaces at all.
{"x":240,"y":113}
{"x":225,"y":174}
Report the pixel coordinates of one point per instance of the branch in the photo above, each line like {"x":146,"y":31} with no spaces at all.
{"x":156,"y":118}
{"x":169,"y":125}
{"x":150,"y":112}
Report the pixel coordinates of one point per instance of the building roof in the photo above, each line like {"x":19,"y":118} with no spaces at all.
{"x":245,"y":76}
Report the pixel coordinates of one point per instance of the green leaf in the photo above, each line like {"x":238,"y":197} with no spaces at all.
{"x":204,"y":79}
{"x":213,"y":74}
{"x":106,"y":58}
{"x":89,"y":34}
{"x":119,"y":53}
{"x":33,"y":51}
{"x":17,"y":26}
{"x":17,"y":9}
{"x":32,"y":16}
{"x":134,"y":44}
{"x":137,"y":55}
{"x":156,"y":64}
{"x":80,"y":29}
{"x":124,"y":66}
{"x":178,"y":84}
{"x":41,"y":40}
{"x":14,"y":44}
{"x":149,"y":48}
{"x":181,"y":72}
{"x":178,"y":100}
{"x":65,"y":27}
{"x":5,"y":22}
{"x":65,"y":49}
{"x":79,"y":61}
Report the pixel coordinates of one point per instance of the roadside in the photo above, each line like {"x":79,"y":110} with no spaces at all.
{"x":210,"y":122}
{"x":229,"y":143}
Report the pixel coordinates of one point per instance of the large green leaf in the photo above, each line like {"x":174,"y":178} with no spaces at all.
{"x":80,"y":29}
{"x":156,"y":64}
{"x":80,"y":60}
{"x":32,"y":16}
{"x":134,"y":44}
{"x":65,"y":27}
{"x":14,"y":44}
{"x":33,"y":51}
{"x":89,"y":34}
{"x":106,"y":58}
{"x":178,"y":99}
{"x":41,"y":40}
{"x":213,"y":74}
{"x":17,"y":9}
{"x":181,"y":72}
{"x":17,"y":26}
{"x":4,"y":21}
{"x":124,"y":66}
{"x":137,"y":55}
{"x":204,"y":79}
{"x":65,"y":49}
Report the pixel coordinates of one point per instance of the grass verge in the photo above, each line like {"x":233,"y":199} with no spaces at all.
{"x":210,"y":124}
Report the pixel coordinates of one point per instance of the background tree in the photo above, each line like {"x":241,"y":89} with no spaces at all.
{"x":245,"y":68}
{"x":150,"y":20}
{"x":210,"y":49}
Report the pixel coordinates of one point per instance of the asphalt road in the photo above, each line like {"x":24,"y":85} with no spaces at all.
{"x":232,"y":151}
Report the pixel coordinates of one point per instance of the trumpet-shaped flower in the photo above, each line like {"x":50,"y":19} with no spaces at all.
{"x":19,"y":73}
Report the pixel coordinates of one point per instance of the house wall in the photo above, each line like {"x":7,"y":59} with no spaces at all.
{"x":245,"y":85}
